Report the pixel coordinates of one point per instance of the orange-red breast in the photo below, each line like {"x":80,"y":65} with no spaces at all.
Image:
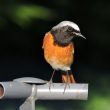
{"x":59,"y":48}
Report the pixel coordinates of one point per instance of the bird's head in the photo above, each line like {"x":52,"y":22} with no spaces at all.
{"x":65,"y":31}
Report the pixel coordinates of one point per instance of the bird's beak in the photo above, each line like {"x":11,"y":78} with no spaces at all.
{"x":80,"y":35}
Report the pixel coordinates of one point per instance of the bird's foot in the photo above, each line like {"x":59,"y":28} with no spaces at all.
{"x":50,"y":83}
{"x":66,"y":84}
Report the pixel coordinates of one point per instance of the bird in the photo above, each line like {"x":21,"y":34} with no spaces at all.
{"x":59,"y":47}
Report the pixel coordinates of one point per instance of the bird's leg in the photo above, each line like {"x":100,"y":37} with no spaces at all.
{"x":51,"y":79}
{"x":67,"y":81}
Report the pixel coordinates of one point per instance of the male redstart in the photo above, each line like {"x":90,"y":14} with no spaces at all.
{"x":59,"y":48}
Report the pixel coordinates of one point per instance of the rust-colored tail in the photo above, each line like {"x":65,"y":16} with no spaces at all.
{"x":68,"y":78}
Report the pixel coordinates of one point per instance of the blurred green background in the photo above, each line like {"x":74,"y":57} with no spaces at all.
{"x":23,"y":24}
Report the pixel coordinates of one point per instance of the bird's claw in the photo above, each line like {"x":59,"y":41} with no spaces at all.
{"x":50,"y":83}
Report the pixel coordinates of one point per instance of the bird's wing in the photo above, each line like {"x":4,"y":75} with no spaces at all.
{"x":44,"y":40}
{"x":73,"y":48}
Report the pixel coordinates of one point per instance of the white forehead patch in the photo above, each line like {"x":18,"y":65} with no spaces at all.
{"x":67,"y":23}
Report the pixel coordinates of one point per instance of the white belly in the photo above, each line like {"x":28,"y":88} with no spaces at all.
{"x":55,"y":65}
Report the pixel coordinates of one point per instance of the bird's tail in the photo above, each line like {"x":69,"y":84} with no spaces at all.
{"x":67,"y":77}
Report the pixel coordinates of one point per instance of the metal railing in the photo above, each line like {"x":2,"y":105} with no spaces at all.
{"x":33,"y":89}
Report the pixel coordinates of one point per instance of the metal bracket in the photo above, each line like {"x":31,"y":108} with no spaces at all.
{"x":29,"y":103}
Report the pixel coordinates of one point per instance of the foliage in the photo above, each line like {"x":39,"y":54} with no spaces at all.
{"x":98,"y":103}
{"x":23,"y":14}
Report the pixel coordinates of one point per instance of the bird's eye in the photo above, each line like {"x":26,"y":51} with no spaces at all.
{"x":69,"y":29}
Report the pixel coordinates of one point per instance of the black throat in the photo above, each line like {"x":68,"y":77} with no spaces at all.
{"x":61,"y":38}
